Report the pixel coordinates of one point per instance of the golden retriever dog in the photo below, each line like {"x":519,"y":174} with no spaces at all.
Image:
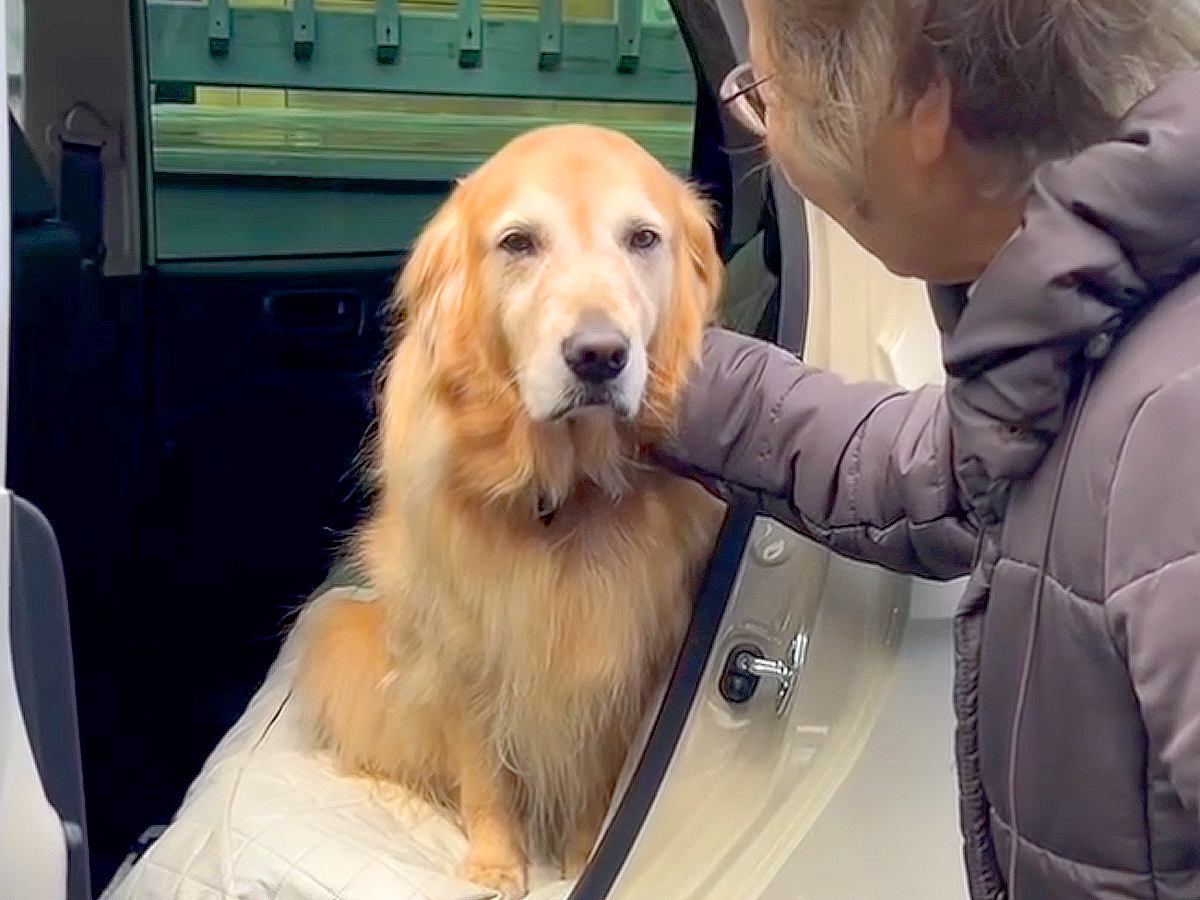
{"x":532,"y":574}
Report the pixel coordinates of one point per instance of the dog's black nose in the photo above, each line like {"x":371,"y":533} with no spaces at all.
{"x":596,"y":355}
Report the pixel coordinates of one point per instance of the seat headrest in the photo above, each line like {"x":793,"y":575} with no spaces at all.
{"x":32,"y":201}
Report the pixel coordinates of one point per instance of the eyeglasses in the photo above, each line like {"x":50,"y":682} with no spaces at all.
{"x":740,"y":93}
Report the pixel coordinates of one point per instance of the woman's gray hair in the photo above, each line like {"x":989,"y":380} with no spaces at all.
{"x":1032,"y":80}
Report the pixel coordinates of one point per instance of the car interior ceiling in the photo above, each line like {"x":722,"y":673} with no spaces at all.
{"x":191,"y":433}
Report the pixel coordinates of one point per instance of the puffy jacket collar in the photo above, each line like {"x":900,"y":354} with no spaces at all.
{"x":1105,"y":234}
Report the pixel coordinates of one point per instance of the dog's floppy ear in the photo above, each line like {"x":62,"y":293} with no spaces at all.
{"x":433,"y":281}
{"x":703,"y":262}
{"x":693,"y":305}
{"x":699,"y":272}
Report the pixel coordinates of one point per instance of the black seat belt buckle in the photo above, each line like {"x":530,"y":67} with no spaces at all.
{"x":86,"y":142}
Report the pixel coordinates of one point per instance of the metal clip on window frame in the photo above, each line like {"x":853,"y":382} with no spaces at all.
{"x":550,"y":14}
{"x":470,"y":34}
{"x":387,"y":31}
{"x":304,"y":30}
{"x":220,"y":27}
{"x":629,"y":36}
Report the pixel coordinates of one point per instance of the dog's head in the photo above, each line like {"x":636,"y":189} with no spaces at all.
{"x":562,"y":290}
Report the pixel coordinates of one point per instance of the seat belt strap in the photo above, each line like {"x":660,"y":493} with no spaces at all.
{"x":81,"y":195}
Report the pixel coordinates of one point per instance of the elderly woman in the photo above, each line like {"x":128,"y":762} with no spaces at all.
{"x":1038,"y":162}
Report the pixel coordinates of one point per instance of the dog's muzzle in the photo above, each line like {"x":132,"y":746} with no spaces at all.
{"x":596,"y":355}
{"x":583,"y":397}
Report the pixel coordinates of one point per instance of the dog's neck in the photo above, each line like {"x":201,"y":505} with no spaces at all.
{"x":614,"y":483}
{"x":584,"y":499}
{"x":546,"y":509}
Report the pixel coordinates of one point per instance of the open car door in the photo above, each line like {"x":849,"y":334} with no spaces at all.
{"x":832,"y":777}
{"x":828,"y":775}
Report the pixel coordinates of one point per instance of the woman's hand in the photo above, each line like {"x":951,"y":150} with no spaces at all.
{"x":865,"y":468}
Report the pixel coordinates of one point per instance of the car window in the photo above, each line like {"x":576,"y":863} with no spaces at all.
{"x":751,"y":291}
{"x":299,"y":129}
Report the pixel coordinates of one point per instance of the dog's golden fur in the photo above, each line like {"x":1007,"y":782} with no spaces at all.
{"x":508,"y":662}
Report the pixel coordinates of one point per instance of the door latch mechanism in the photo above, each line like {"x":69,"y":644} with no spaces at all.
{"x":746,"y":666}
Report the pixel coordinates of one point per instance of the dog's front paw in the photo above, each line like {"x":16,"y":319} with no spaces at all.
{"x":573,"y":866}
{"x":577,"y":854}
{"x":578,"y":849}
{"x":508,"y":878}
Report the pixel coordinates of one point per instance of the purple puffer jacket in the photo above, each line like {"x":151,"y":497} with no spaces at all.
{"x":1060,"y":467}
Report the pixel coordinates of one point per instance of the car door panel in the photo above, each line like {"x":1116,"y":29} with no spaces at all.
{"x":849,"y":792}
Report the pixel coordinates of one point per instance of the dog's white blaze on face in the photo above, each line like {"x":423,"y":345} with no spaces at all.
{"x":558,"y":265}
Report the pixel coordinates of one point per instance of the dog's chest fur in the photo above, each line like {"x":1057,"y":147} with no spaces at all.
{"x":574,"y":607}
{"x":552,"y":637}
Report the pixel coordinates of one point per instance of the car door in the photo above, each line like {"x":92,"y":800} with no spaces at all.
{"x":830,"y":776}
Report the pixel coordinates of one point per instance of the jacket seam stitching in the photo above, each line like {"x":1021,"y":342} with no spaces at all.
{"x":1158,"y":570}
{"x":856,"y":458}
{"x":822,"y":526}
{"x":1175,"y":380}
{"x":1111,"y":593}
{"x":854,"y":448}
{"x":1033,"y":845}
{"x":1108,"y":594}
{"x":888,"y":526}
{"x":1112,"y":486}
{"x":761,"y":454}
{"x":1065,"y":588}
{"x":773,"y":415}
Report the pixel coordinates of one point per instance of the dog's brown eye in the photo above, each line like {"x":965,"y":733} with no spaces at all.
{"x":644,"y":239}
{"x":518,"y":243}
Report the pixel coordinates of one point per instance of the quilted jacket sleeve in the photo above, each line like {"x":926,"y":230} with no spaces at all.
{"x":1152,"y":576}
{"x":864,"y":468}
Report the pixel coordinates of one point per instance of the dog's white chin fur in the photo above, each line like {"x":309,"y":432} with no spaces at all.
{"x":545,"y":393}
{"x":599,"y":411}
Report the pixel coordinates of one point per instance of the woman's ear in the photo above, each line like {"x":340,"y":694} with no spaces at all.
{"x":930,"y":120}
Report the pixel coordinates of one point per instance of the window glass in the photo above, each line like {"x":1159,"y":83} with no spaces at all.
{"x":751,"y":291}
{"x":256,"y":152}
